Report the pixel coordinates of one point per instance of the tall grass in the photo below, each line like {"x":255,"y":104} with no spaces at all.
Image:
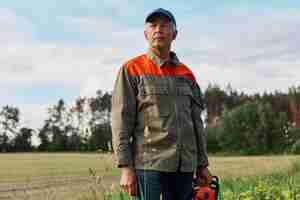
{"x":68,"y":177}
{"x":275,"y":186}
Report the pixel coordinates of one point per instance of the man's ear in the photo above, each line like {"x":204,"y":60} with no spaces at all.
{"x":145,"y":34}
{"x":175,"y":35}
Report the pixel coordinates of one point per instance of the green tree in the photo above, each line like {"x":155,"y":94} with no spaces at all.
{"x":22,"y":141}
{"x":252,"y":128}
{"x":9,"y":122}
{"x":214,"y":99}
{"x":80,"y":115}
{"x":101,"y":136}
{"x":232,"y":98}
{"x":54,"y":134}
{"x":44,"y":137}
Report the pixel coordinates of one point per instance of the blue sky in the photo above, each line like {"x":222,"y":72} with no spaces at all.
{"x":65,"y":49}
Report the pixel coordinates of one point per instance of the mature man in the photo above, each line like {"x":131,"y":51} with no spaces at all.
{"x":156,"y":119}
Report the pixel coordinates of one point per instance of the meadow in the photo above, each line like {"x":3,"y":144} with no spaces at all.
{"x":87,"y":176}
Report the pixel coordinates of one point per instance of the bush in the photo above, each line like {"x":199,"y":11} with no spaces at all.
{"x":295,"y":149}
{"x":252,"y":128}
{"x":212,"y":142}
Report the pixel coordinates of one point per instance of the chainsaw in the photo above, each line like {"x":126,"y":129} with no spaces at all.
{"x":207,"y":191}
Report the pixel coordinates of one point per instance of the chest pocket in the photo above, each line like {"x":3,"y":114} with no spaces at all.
{"x":157,"y":101}
{"x":157,"y":107}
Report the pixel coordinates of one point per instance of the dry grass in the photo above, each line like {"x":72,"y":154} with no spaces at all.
{"x":53,"y":176}
{"x":28,"y":167}
{"x":67,"y":175}
{"x":227,"y":167}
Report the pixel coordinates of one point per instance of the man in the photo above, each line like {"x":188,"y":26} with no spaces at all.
{"x":156,"y":119}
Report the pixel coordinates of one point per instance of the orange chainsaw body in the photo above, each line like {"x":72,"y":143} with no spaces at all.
{"x":204,"y":193}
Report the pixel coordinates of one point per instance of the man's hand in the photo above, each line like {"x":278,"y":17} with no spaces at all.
{"x":128,"y":180}
{"x":203,"y":175}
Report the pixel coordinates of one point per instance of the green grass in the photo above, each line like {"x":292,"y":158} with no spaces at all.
{"x":238,"y":175}
{"x":283,"y":185}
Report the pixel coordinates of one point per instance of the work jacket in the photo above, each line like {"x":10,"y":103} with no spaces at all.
{"x":156,"y":116}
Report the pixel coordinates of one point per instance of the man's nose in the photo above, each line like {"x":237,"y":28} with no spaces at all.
{"x":158,"y":28}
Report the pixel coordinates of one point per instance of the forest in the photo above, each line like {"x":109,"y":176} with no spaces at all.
{"x":234,"y":121}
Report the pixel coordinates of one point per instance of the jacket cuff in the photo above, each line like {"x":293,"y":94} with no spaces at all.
{"x":124,"y":160}
{"x":202,"y":163}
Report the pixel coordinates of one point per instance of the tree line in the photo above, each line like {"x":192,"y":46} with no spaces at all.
{"x":234,"y":122}
{"x":84,"y":126}
{"x":252,"y":124}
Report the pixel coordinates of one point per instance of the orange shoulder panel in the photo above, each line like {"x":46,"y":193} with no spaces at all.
{"x":141,"y":65}
{"x":185,"y":71}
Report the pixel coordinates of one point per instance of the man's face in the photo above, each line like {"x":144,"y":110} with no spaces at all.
{"x":159,"y":32}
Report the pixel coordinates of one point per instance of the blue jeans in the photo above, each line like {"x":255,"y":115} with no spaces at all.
{"x":171,"y":185}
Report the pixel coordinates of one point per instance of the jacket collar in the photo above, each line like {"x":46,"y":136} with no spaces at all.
{"x":159,"y":62}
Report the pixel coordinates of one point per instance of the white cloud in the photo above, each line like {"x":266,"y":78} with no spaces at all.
{"x":108,"y":32}
{"x":253,"y":50}
{"x":68,"y":65}
{"x":262,"y":41}
{"x":93,"y":83}
{"x":13,"y":28}
{"x":72,"y":64}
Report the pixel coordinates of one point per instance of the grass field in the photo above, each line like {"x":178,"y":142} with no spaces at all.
{"x":68,"y":175}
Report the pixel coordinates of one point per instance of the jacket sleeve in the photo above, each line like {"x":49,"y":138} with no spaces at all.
{"x":197,"y":107}
{"x":123,"y":118}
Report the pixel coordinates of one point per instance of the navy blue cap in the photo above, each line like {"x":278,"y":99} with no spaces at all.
{"x":161,"y":12}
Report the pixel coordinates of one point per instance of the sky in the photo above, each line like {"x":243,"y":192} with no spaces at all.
{"x":70,"y":48}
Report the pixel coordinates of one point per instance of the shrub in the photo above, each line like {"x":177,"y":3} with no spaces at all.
{"x":212,"y":142}
{"x":295,"y":149}
{"x":252,"y":128}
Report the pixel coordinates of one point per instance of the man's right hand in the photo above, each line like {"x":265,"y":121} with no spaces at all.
{"x":128,"y":180}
